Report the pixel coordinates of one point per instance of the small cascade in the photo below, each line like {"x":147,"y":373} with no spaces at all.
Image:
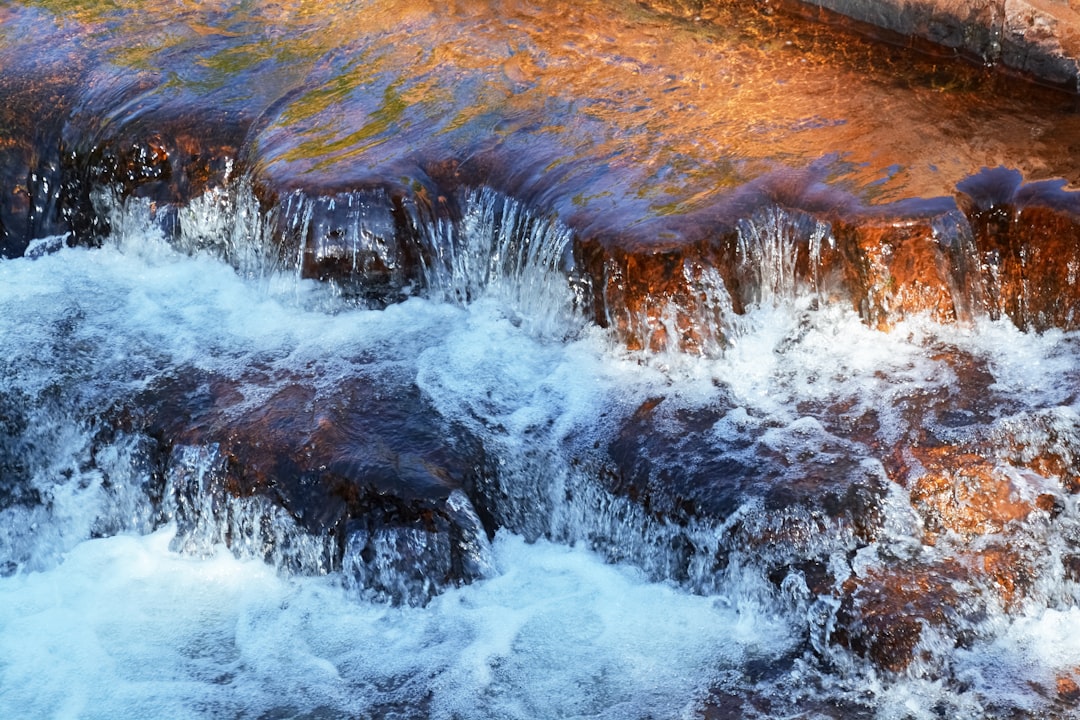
{"x":351,"y":239}
{"x":225,"y":221}
{"x":526,"y":361}
{"x":693,"y":315}
{"x":500,"y":249}
{"x":411,"y":564}
{"x":778,"y":255}
{"x":396,"y":552}
{"x":884,"y":496}
{"x":208,"y":514}
{"x":61,"y":486}
{"x":370,"y":249}
{"x":228,"y":221}
{"x":692,"y":299}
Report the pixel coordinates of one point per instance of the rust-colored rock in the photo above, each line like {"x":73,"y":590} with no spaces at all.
{"x":660,"y":299}
{"x":1010,"y":573}
{"x":1028,"y":240}
{"x":907,"y":266}
{"x":964,"y":493}
{"x":1068,"y":690}
{"x":883,"y":615}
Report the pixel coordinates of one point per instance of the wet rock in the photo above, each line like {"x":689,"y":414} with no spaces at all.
{"x":1068,"y":690}
{"x":362,"y":241}
{"x":1010,"y":573}
{"x":1042,"y":39}
{"x":885,"y":614}
{"x":1028,"y":239}
{"x":785,"y":494}
{"x":1071,"y":565}
{"x":167,"y":167}
{"x":686,"y":296}
{"x":359,"y":479}
{"x":35,"y":99}
{"x":907,"y":266}
{"x":963,"y":493}
{"x":1034,"y":37}
{"x":662,"y":299}
{"x":1047,"y":443}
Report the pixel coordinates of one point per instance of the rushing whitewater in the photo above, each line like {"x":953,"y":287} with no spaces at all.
{"x":135,"y":590}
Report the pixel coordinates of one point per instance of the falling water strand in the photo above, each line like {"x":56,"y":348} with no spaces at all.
{"x":779,"y":253}
{"x":228,"y":221}
{"x":500,"y":249}
{"x":196,"y":497}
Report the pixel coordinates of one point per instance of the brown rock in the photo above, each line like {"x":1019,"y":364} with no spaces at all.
{"x":1068,"y":690}
{"x":662,"y":298}
{"x":1028,"y":240}
{"x":359,"y":240}
{"x":1071,"y":566}
{"x":1011,"y":574}
{"x":883,"y":614}
{"x":908,"y":266}
{"x":1042,"y":38}
{"x":1047,"y":443}
{"x":964,"y":493}
{"x":366,"y":471}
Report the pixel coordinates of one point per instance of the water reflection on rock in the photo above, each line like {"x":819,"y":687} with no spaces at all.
{"x":723,"y":183}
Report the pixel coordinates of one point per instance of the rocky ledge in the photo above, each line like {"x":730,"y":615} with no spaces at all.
{"x":683,"y":172}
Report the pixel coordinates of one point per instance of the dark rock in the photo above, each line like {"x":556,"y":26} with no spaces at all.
{"x":363,"y":241}
{"x":358,"y":479}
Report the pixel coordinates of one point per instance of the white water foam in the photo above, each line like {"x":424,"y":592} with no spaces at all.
{"x":125,"y":628}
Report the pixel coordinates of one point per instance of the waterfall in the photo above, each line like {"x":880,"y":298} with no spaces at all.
{"x":779,"y":255}
{"x":748,"y":476}
{"x":501,"y":249}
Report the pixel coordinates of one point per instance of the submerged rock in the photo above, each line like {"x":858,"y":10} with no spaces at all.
{"x":660,"y":179}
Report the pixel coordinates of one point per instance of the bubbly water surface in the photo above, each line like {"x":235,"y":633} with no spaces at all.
{"x":99,"y":618}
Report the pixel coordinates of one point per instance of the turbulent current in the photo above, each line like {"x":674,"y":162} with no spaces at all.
{"x":505,"y":360}
{"x":135,"y":587}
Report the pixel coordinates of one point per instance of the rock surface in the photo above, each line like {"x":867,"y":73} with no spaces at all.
{"x":694,"y":170}
{"x":360,"y":480}
{"x":1039,"y":38}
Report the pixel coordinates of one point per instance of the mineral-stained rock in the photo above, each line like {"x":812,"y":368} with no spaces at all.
{"x":359,"y":479}
{"x":885,"y":614}
{"x":1068,"y":690}
{"x":964,"y":493}
{"x":1028,"y":239}
{"x":1047,"y":443}
{"x":659,"y":299}
{"x":903,"y":266}
{"x":1010,"y":573}
{"x":685,"y":296}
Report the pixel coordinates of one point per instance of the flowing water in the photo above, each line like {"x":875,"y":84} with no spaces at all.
{"x":512,"y":360}
{"x":120,"y":601}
